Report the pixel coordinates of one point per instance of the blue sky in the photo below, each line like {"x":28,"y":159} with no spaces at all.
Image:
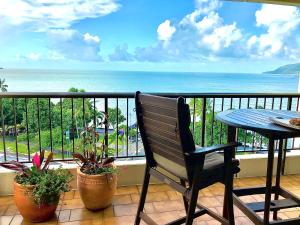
{"x":148,"y":35}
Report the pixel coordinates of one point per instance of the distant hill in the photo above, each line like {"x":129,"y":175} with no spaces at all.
{"x":286,"y":69}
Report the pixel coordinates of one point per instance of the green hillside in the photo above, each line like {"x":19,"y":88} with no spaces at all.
{"x":286,"y":69}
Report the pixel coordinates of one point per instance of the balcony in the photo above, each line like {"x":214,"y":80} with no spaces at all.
{"x":52,"y":121}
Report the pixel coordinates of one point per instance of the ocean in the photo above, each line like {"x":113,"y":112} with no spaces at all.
{"x":111,"y":81}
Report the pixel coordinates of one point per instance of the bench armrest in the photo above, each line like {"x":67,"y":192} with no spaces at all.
{"x":205,"y":150}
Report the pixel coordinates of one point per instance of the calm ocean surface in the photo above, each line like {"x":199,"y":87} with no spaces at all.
{"x":108,"y":81}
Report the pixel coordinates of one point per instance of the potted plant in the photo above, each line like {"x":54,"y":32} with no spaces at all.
{"x":37,"y":189}
{"x":96,"y":176}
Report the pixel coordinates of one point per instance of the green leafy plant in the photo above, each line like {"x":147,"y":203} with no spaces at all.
{"x":47,"y":184}
{"x":91,"y":162}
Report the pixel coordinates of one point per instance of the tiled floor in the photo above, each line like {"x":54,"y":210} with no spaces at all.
{"x":163,"y":204}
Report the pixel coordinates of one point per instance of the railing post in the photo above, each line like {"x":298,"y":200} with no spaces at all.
{"x":106,"y":126}
{"x":3,"y":128}
{"x":203,"y":122}
{"x":15,"y":128}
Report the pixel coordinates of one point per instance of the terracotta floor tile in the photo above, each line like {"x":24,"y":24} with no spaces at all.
{"x":72,"y":204}
{"x":64,"y":215}
{"x":3,"y":209}
{"x":166,"y":206}
{"x":85,"y":214}
{"x":6,"y":200}
{"x":11,"y":210}
{"x":174,"y":195}
{"x":151,"y":197}
{"x":17,"y":220}
{"x":157,"y":188}
{"x":69,"y":195}
{"x":108,"y":212}
{"x":122,"y":199}
{"x":125,"y":190}
{"x":125,"y":210}
{"x":5,"y":220}
{"x":122,"y":220}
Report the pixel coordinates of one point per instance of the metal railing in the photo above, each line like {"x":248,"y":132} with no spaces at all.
{"x":52,"y":121}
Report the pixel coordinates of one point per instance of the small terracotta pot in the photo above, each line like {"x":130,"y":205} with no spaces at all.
{"x":96,"y":191}
{"x":31,"y":211}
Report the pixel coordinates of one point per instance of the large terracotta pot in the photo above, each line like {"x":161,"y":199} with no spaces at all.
{"x":31,"y":211}
{"x":96,"y":191}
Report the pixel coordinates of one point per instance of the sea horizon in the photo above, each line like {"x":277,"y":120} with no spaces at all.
{"x":61,"y":80}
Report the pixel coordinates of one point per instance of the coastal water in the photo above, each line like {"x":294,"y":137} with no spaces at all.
{"x":109,"y":81}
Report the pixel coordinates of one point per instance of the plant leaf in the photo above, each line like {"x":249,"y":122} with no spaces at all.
{"x":80,"y":157}
{"x":49,"y":158}
{"x":108,"y":161}
{"x":36,"y":161}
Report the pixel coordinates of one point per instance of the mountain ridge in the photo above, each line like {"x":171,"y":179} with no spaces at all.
{"x":286,"y":69}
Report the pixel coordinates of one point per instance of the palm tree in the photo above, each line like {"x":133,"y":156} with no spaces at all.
{"x":3,"y":86}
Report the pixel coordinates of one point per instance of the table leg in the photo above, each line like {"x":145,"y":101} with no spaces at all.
{"x":278,"y":174}
{"x":269,"y":181}
{"x":231,"y":137}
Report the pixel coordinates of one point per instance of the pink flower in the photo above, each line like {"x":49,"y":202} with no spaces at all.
{"x":36,"y":161}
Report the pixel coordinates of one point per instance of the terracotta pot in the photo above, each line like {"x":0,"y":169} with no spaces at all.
{"x":31,"y":211}
{"x":96,"y":191}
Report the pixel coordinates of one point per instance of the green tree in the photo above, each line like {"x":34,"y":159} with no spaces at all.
{"x":3,"y":86}
{"x":115,"y":117}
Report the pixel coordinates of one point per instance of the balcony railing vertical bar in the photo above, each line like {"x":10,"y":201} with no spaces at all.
{"x":127,"y":129}
{"x":50,"y":124}
{"x":212,"y":121}
{"x":221,"y":129}
{"x":194,"y":116}
{"x":73,"y":126}
{"x":39,"y":122}
{"x":106,"y":125}
{"x":297,"y":107}
{"x":3,"y":129}
{"x":117,"y":134}
{"x":47,"y":114}
{"x":15,"y":129}
{"x":94,"y":124}
{"x":62,"y":128}
{"x":261,"y":137}
{"x":254,"y":136}
{"x":203,"y":127}
{"x":27,"y":129}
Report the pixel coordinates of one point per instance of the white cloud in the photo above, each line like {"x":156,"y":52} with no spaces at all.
{"x":46,"y":14}
{"x":199,"y":36}
{"x":90,"y":38}
{"x":165,"y":31}
{"x":71,"y":44}
{"x":121,"y":54}
{"x":33,"y":56}
{"x":222,"y":37}
{"x":279,"y":22}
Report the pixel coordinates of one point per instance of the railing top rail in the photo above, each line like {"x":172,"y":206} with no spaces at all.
{"x":130,"y":95}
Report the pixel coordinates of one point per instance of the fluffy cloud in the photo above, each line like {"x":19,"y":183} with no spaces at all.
{"x":198,"y":36}
{"x":165,"y":31}
{"x":279,"y":22}
{"x":70,"y":44}
{"x":121,"y":54}
{"x":47,"y":14}
{"x":90,"y":38}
